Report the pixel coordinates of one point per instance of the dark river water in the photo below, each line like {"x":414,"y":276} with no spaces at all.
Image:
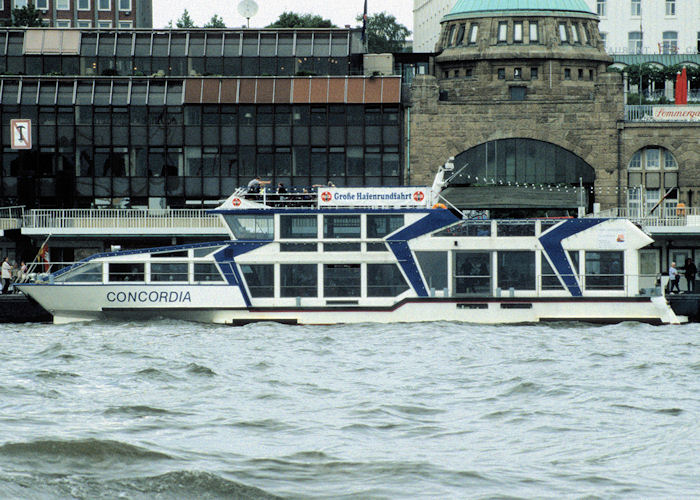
{"x":174,"y":410}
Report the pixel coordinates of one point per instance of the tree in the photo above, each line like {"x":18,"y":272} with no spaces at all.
{"x":26,"y":16}
{"x":215,"y":22}
{"x":294,"y":20}
{"x":185,"y":21}
{"x":384,"y":34}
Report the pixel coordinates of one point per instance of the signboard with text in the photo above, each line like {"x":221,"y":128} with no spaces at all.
{"x":373,"y":197}
{"x":677,"y":113}
{"x":21,"y":134}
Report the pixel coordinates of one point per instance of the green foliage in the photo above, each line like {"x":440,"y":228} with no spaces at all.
{"x":26,"y":16}
{"x":384,"y":34}
{"x":185,"y":21}
{"x":215,"y":22}
{"x":652,"y":73}
{"x":294,"y":20}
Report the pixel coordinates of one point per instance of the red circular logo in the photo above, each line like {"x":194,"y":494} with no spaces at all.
{"x":418,"y":196}
{"x":236,"y":202}
{"x":326,"y":196}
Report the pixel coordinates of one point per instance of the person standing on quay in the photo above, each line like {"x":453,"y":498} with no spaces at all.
{"x":6,"y":274}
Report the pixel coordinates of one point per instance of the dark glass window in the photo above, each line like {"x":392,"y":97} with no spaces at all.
{"x":260,"y":279}
{"x":169,"y":271}
{"x":126,"y":272}
{"x":550,"y":281}
{"x":434,"y":267}
{"x":341,"y":226}
{"x":605,"y":270}
{"x":472,"y":273}
{"x":379,"y":226}
{"x":298,"y":280}
{"x":518,"y":93}
{"x":516,"y":270}
{"x":341,"y":280}
{"x":385,"y":280}
{"x":501,"y":73}
{"x":251,"y":227}
{"x":516,"y":228}
{"x":298,"y":226}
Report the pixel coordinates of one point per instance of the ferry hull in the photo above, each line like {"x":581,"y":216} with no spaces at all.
{"x":225,"y":305}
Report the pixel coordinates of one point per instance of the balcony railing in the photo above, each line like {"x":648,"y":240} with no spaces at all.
{"x":127,"y":220}
{"x":11,"y":217}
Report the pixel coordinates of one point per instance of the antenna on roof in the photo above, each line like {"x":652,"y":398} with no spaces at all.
{"x":247,"y":9}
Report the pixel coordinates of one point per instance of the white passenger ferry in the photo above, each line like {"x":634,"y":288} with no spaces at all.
{"x":354,"y":255}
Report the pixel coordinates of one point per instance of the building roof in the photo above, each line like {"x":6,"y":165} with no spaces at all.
{"x":483,"y":6}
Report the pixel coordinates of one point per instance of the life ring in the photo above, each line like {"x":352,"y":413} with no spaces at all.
{"x":680,"y":209}
{"x":440,"y":205}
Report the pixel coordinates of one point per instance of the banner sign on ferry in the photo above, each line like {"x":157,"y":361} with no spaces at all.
{"x":373,"y":197}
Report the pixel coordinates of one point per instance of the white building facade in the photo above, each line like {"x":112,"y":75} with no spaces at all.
{"x":627,"y":26}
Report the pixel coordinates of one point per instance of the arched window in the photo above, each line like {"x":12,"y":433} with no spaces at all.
{"x":652,"y":174}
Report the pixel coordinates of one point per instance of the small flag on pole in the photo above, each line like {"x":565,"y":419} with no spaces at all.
{"x":364,"y":22}
{"x":45,"y":256}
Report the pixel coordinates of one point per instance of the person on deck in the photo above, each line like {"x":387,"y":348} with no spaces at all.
{"x":255,"y":184}
{"x":690,"y":272}
{"x":673,"y":278}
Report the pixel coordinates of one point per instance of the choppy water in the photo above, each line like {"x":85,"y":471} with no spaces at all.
{"x":443,"y":410}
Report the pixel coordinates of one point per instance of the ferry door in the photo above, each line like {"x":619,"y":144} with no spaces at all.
{"x":649,"y":267}
{"x":678,"y":255}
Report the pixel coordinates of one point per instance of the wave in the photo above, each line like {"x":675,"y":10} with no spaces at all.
{"x":200,"y":370}
{"x":93,"y":449}
{"x":139,"y":411}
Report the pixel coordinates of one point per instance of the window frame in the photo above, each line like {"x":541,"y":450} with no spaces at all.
{"x":563,"y":33}
{"x":601,"y":8}
{"x":533,"y":28}
{"x":670,"y":8}
{"x":635,"y":8}
{"x":518,"y":32}
{"x":502,"y":35}
{"x":123,"y":9}
{"x":59,"y":3}
{"x":44,"y":5}
{"x":103,"y":9}
{"x":78,"y":2}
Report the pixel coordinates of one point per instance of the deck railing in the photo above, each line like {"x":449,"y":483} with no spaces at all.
{"x":127,"y":219}
{"x":662,"y":216}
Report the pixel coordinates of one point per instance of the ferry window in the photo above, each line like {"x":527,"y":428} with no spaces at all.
{"x":472,"y":273}
{"x":605,"y":270}
{"x":516,"y":270}
{"x":298,"y":247}
{"x":516,"y":229}
{"x":573,"y":255}
{"x":379,"y":226}
{"x":434,"y":267}
{"x":467,"y":228}
{"x":205,"y":271}
{"x":87,"y":273}
{"x":385,"y":280}
{"x":203,"y":252}
{"x":342,"y":247}
{"x":341,"y":280}
{"x":298,"y":280}
{"x":549,"y":279}
{"x":377,"y":247}
{"x":260,"y":279}
{"x":178,"y":253}
{"x":341,"y":226}
{"x":251,"y":227}
{"x":126,"y":272}
{"x":171,"y":271}
{"x":547,"y":224}
{"x":298,"y":226}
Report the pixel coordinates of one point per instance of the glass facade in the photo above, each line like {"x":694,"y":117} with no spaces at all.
{"x":134,"y":124}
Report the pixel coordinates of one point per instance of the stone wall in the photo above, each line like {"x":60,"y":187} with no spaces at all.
{"x":681,"y":139}
{"x":586,"y":127}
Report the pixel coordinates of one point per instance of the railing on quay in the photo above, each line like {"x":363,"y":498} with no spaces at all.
{"x":11,"y":217}
{"x":127,"y":219}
